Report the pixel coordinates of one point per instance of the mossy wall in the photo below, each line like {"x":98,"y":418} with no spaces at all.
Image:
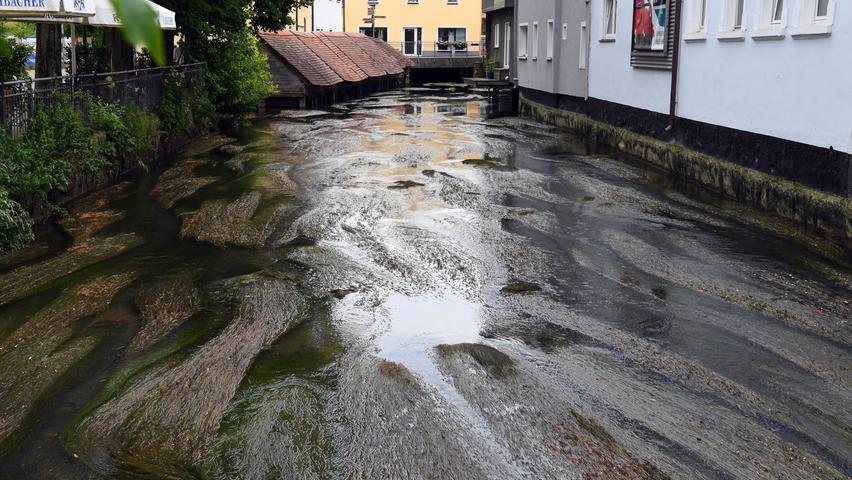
{"x":828,"y":215}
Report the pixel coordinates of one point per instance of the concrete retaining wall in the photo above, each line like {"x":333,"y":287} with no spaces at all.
{"x":828,"y":215}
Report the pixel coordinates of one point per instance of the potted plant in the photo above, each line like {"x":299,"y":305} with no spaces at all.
{"x":459,"y":45}
{"x":490,"y":65}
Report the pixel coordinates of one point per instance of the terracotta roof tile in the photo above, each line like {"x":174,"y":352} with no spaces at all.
{"x":304,"y":59}
{"x":328,"y":58}
{"x":338,"y":60}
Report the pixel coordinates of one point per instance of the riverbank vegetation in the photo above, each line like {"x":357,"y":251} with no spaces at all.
{"x":77,"y":135}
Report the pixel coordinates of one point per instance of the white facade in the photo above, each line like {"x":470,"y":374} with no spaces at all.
{"x":328,"y":15}
{"x":786,"y":72}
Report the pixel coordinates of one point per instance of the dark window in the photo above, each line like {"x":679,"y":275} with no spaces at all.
{"x":380,"y":32}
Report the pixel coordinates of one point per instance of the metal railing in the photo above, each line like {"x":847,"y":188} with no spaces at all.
{"x":438,"y":49}
{"x":143,"y":88}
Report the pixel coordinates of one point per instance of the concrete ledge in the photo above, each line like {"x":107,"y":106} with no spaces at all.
{"x":828,"y":215}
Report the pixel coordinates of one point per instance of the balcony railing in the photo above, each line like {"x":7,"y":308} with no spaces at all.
{"x":438,"y":49}
{"x":20,"y":99}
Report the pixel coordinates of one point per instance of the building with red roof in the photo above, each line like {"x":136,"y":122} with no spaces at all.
{"x":321,"y":68}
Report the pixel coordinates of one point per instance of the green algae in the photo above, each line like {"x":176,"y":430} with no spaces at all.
{"x":521,"y":287}
{"x":480,"y":162}
{"x":405,"y":184}
{"x":495,"y":362}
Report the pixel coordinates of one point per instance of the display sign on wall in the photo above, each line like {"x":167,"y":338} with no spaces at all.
{"x":650,"y":25}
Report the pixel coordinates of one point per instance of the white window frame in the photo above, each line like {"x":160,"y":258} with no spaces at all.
{"x":766,"y":25}
{"x":507,"y":46}
{"x":535,"y":41}
{"x":523,"y":40}
{"x":496,"y":33}
{"x":732,"y":28}
{"x":696,"y":20}
{"x":612,"y":5}
{"x":551,"y":33}
{"x":808,"y":24}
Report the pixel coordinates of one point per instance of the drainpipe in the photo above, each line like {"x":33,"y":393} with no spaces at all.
{"x":675,"y":64}
{"x":343,"y":7}
{"x":313,"y":24}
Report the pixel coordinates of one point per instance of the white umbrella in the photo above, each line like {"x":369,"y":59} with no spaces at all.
{"x":106,"y":16}
{"x":52,"y":11}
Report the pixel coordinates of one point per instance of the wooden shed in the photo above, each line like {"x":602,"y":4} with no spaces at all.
{"x":321,"y":68}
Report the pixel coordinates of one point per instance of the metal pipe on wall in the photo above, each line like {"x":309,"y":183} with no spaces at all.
{"x":675,"y":63}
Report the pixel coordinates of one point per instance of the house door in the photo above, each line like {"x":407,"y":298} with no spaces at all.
{"x":412,"y":40}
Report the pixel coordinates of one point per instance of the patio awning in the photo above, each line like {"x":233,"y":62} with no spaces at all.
{"x":106,"y":16}
{"x":96,"y":13}
{"x":46,"y":10}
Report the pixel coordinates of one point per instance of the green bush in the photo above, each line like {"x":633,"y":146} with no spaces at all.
{"x":57,"y":142}
{"x":70,"y":135}
{"x":238,"y":74}
{"x":184,"y":109}
{"x":175,"y":109}
{"x":15,"y":224}
{"x":12,"y":57}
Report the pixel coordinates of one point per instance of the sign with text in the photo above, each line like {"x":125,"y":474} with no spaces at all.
{"x":650,"y":25}
{"x":18,"y":7}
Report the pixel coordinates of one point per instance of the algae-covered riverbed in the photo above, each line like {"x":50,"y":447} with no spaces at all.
{"x":403,"y":287}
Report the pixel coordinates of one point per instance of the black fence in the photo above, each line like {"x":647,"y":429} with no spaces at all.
{"x":20,"y":99}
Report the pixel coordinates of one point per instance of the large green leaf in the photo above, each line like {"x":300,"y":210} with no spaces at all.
{"x":140,"y":27}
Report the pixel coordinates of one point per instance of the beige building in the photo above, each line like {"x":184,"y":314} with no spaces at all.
{"x":420,"y":27}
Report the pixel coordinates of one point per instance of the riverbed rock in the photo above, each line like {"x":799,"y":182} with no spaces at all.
{"x":166,"y":420}
{"x":205,"y":144}
{"x":523,"y":412}
{"x":180,"y":182}
{"x":164,"y":307}
{"x":41,"y":350}
{"x":24,"y":280}
{"x":243,"y":222}
{"x":283,"y":433}
{"x":401,"y":429}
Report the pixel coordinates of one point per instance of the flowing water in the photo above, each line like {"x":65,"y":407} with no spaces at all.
{"x":404,"y":287}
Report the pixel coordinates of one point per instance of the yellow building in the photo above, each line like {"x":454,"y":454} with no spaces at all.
{"x":420,"y":27}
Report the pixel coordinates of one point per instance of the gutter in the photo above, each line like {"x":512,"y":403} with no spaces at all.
{"x":675,"y":65}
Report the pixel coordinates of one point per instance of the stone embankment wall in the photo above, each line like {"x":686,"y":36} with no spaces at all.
{"x":826,"y":214}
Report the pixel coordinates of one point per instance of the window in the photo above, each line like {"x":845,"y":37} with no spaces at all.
{"x":380,"y":32}
{"x":610,"y":7}
{"x":821,"y":9}
{"x":770,"y":22}
{"x":452,"y":2}
{"x":535,"y":41}
{"x":695,"y":19}
{"x":452,"y":38}
{"x":777,"y":11}
{"x":731,"y":26}
{"x":816,"y":17}
{"x":496,"y":35}
{"x":550,"y":34}
{"x":507,"y":46}
{"x":523,"y":40}
{"x":738,"y":18}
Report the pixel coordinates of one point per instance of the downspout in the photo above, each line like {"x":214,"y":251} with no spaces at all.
{"x":343,"y":2}
{"x":313,"y":24}
{"x":675,"y":64}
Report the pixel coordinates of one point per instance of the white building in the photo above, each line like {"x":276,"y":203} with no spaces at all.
{"x":781,"y":68}
{"x":320,"y":16}
{"x":767,"y":82}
